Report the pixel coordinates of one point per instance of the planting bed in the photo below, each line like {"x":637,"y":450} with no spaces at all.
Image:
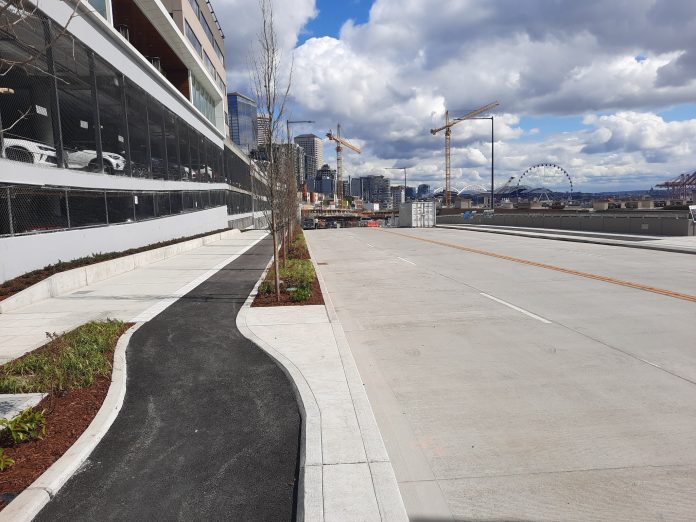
{"x":68,"y":413}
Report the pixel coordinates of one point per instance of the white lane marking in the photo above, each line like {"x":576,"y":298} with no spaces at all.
{"x":525,"y":312}
{"x":163,"y":304}
{"x":406,"y":261}
{"x":371,"y":246}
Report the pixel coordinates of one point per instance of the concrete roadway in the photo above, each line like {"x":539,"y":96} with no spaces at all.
{"x":506,"y":391}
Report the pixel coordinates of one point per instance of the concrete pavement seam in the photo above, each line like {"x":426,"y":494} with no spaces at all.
{"x":388,"y":496}
{"x":310,"y":412}
{"x":541,"y":235}
{"x":28,"y":504}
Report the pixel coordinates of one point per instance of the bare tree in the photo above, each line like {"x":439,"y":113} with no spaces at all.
{"x":271,"y":98}
{"x":16,"y":18}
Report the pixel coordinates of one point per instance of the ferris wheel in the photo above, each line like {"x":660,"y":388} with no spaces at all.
{"x":545,"y":177}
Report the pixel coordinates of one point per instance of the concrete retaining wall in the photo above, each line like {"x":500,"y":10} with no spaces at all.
{"x":64,"y":282}
{"x":636,"y":224}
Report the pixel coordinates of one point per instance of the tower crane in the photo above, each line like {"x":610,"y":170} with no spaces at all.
{"x":447,"y":127}
{"x":340,"y":143}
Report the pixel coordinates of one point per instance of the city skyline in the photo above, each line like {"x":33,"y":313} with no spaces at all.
{"x":613,"y":103}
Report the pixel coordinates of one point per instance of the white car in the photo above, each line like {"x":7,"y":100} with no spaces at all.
{"x":28,"y":151}
{"x":80,"y":159}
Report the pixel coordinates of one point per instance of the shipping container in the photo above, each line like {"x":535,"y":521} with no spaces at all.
{"x":417,"y":214}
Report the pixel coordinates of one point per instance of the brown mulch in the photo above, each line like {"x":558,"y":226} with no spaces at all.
{"x":68,"y":414}
{"x":270,"y":299}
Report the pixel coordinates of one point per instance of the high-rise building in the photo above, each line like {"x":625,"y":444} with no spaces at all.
{"x":411,"y":193}
{"x":398,"y":195}
{"x":423,"y":190}
{"x":313,"y":148}
{"x":243,"y":121}
{"x":325,"y":181}
{"x":263,"y":129}
{"x":118,"y":123}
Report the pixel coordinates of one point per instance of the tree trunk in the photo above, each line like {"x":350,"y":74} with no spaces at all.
{"x":276,"y":265}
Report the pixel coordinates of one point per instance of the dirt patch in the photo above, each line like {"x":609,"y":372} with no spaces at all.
{"x":270,"y":299}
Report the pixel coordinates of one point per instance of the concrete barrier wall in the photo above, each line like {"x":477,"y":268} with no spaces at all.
{"x":662,"y":225}
{"x":64,"y":282}
{"x":22,"y":254}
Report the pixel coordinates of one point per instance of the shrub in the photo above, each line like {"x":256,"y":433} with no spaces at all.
{"x":28,"y":425}
{"x":71,"y":360}
{"x":300,"y":294}
{"x":297,"y":273}
{"x":5,"y":461}
{"x":267,"y":286}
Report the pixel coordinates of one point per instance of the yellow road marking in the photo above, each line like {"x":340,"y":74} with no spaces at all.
{"x":612,"y":280}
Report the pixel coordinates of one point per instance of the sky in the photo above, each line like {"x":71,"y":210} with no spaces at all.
{"x":604,"y":89}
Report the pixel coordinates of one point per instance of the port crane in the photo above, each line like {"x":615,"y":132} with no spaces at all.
{"x":340,"y":143}
{"x":447,"y":127}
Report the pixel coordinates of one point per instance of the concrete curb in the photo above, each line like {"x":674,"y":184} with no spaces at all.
{"x":578,"y":239}
{"x":310,"y":505}
{"x":32,"y":500}
{"x":64,"y":282}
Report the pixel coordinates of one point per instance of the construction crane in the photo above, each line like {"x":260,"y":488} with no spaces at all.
{"x":447,"y":127}
{"x":340,"y":143}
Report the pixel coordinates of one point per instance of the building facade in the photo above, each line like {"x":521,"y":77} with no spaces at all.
{"x":243,"y":121}
{"x":263,"y":130}
{"x":423,"y":191}
{"x":325,"y":181}
{"x":398,"y":195}
{"x":119,"y":119}
{"x":313,"y":148}
{"x":374,"y":189}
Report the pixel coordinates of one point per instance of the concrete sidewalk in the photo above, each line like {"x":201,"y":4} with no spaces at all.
{"x":346,"y":473}
{"x":681,"y":244}
{"x":135,"y":296}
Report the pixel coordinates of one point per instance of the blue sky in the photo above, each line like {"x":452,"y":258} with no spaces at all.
{"x":332,"y":15}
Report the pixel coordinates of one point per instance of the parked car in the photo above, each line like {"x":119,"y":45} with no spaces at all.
{"x":87,"y":159}
{"x":28,"y":151}
{"x":309,"y":224}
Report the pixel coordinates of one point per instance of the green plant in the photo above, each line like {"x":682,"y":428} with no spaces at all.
{"x":29,"y":425}
{"x":5,"y":461}
{"x":71,"y":360}
{"x":300,"y":294}
{"x":266,"y":287}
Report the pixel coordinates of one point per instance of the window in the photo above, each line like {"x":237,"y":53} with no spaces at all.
{"x":220,"y":84}
{"x":206,"y":27}
{"x":193,"y":39}
{"x":202,"y":100}
{"x":209,"y":64}
{"x":219,"y":53}
{"x":194,"y":4}
{"x":137,"y":131}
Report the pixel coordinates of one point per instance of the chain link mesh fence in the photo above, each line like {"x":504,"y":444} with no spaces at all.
{"x":28,"y":209}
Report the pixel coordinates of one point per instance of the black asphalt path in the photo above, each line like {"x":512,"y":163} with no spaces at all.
{"x":210,"y":426}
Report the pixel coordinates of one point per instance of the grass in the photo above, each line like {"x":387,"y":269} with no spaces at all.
{"x":72,"y":360}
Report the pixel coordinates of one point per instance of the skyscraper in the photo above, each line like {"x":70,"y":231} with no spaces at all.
{"x":313,"y":154}
{"x":243,"y":123}
{"x":263,"y":129}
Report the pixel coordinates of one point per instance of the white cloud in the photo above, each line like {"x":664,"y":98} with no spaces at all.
{"x":389,"y":81}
